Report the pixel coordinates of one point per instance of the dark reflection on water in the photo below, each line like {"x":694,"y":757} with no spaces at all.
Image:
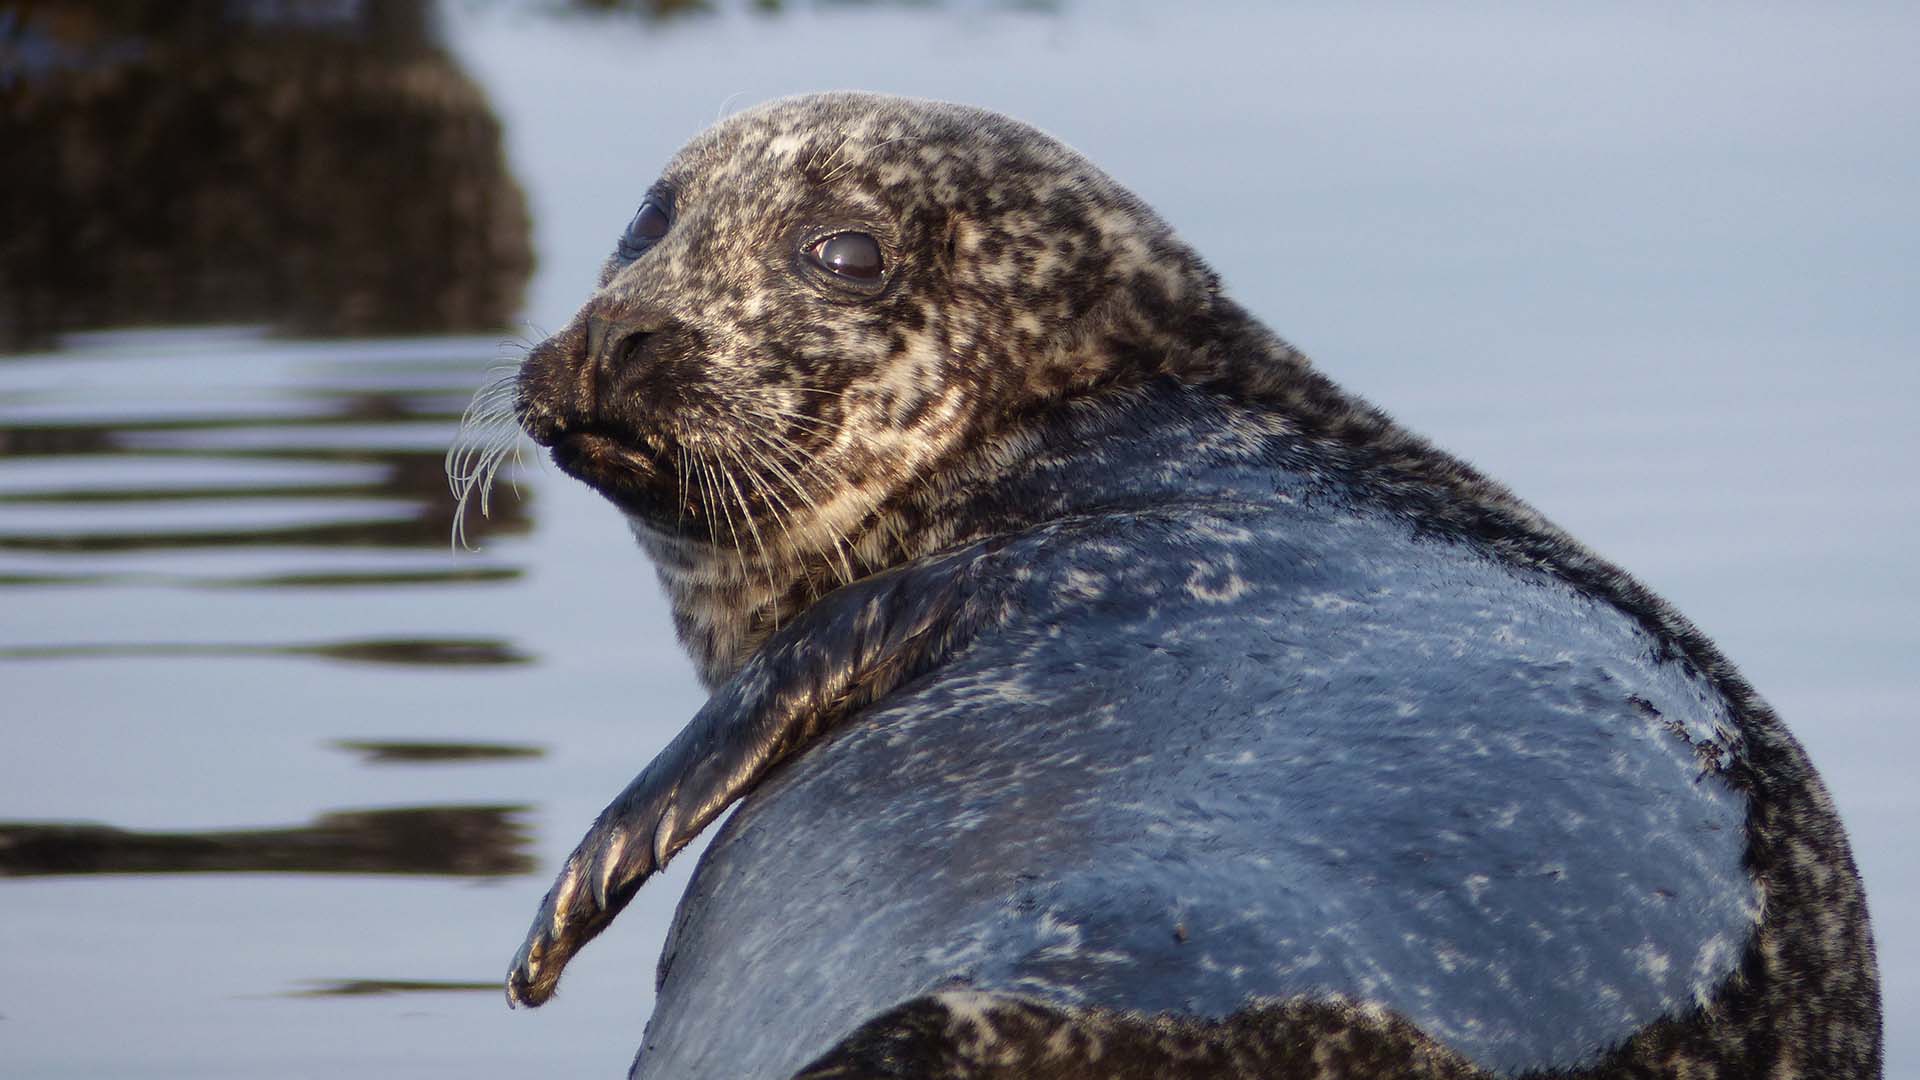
{"x":368,"y":579}
{"x":412,"y":479}
{"x":328,"y":534}
{"x":158,"y":478}
{"x":424,"y":753}
{"x":660,"y":11}
{"x":306,"y":419}
{"x":369,"y":987}
{"x":323,"y":165}
{"x":457,"y":841}
{"x":318,"y":168}
{"x":443,"y":651}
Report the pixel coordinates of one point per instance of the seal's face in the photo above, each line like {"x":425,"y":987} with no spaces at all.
{"x":830,"y":319}
{"x":822,"y":299}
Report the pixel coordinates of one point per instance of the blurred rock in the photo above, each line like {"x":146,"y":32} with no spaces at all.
{"x":323,"y":167}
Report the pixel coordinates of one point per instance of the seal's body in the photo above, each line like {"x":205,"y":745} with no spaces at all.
{"x":1244,"y":737}
{"x":1112,"y":695}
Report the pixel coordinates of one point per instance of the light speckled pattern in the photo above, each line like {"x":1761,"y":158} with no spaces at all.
{"x":1112,"y":695}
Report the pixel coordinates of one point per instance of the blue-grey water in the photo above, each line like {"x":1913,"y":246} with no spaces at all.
{"x":1654,"y":268}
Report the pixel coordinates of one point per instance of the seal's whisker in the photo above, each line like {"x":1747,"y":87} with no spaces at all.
{"x":479,"y":432}
{"x":776,"y":416}
{"x":915,"y":475}
{"x":746,"y":513}
{"x":477,"y":480}
{"x":776,"y":420}
{"x":699,"y":489}
{"x":793,"y":451}
{"x":519,"y":464}
{"x":489,"y":433}
{"x":472,"y":446}
{"x":778,"y":506}
{"x":531,"y":334}
{"x":799,"y":418}
{"x":795,"y":454}
{"x":701,"y":479}
{"x":775,"y":442}
{"x":766,"y":492}
{"x":499,"y":386}
{"x":842,"y":544}
{"x":507,"y":447}
{"x":782,"y":517}
{"x":770,"y":391}
{"x":733,"y":531}
{"x":819,"y":163}
{"x":789,"y":449}
{"x":847,"y":166}
{"x":680,"y":482}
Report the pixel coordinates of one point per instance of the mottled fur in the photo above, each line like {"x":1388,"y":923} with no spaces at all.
{"x":775,"y":435}
{"x":973,"y":1036}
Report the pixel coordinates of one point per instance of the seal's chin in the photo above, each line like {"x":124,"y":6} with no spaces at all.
{"x":635,"y":476}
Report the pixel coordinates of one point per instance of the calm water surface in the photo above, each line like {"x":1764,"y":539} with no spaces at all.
{"x":282,"y":774}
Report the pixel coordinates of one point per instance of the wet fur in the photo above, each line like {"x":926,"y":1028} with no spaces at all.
{"x":786,"y":438}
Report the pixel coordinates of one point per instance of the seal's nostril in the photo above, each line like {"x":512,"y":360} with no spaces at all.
{"x":611,"y":344}
{"x":627,"y":347}
{"x":611,"y":341}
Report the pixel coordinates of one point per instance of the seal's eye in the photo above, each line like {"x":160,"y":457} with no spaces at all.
{"x":649,"y":224}
{"x":852,"y":255}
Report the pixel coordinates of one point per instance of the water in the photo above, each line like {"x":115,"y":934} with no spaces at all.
{"x":1653,"y":269}
{"x":236,"y":626}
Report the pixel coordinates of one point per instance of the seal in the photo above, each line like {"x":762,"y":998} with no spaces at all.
{"x":1107,"y":692}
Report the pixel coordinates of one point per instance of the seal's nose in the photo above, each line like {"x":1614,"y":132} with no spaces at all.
{"x":611,"y":340}
{"x":569,"y":381}
{"x":610,"y":344}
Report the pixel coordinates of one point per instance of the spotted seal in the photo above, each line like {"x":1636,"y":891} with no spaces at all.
{"x":1108,"y":693}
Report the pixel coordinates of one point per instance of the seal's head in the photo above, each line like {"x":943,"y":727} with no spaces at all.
{"x":821,"y":298}
{"x":821,"y":305}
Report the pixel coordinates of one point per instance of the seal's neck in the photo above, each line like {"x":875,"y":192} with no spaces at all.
{"x":1122,"y":429}
{"x":1139,"y":444}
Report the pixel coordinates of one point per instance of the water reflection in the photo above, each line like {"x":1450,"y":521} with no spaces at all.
{"x":482,"y":575}
{"x":195,"y":496}
{"x":457,"y":841}
{"x":441,"y":651}
{"x":669,"y":10}
{"x":423,"y":753}
{"x":321,"y":165}
{"x":370,"y":987}
{"x":123,"y":450}
{"x":138,"y":464}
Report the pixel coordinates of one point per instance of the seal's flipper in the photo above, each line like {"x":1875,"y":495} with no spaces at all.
{"x":848,"y":649}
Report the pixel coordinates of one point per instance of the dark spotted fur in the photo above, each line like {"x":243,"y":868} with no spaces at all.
{"x":846,"y":493}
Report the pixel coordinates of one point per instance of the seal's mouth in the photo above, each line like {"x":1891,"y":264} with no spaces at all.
{"x":635,"y":471}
